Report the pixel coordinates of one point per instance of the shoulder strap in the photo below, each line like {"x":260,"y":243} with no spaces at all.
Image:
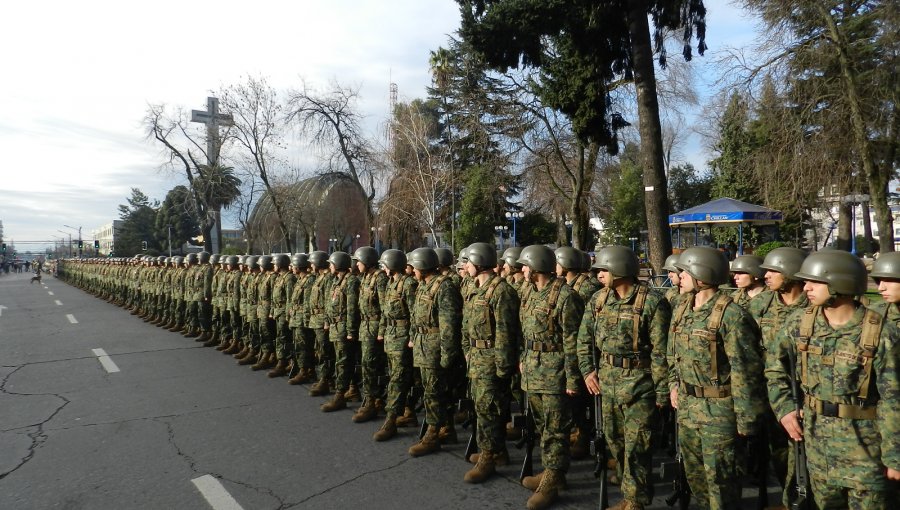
{"x":435,"y":286}
{"x":869,"y":339}
{"x":715,"y":318}
{"x":806,"y":331}
{"x":683,"y":306}
{"x":636,"y":310}
{"x":492,"y":286}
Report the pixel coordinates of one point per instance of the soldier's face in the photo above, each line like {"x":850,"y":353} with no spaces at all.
{"x":360,"y":267}
{"x":506,"y":270}
{"x":686,"y":283}
{"x":816,"y":292}
{"x":889,"y":289}
{"x":674,"y":278}
{"x":774,"y":280}
{"x":470,"y":269}
{"x":560,"y":271}
{"x":418,"y":274}
{"x":605,"y":278}
{"x":526,"y":271}
{"x":742,"y":280}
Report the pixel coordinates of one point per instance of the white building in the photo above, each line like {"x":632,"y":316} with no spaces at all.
{"x":106,"y":235}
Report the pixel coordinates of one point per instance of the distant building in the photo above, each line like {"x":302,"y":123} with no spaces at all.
{"x":234,"y":238}
{"x":106,"y":235}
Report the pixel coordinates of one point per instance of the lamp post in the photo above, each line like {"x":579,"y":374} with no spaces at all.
{"x":633,"y":240}
{"x":332,"y":245}
{"x":79,"y":238}
{"x":514,"y":216}
{"x":356,"y":242}
{"x":568,"y":224}
{"x":853,"y":200}
{"x":500,"y":229}
{"x":70,"y":240}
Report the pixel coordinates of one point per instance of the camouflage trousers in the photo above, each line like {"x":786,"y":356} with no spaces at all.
{"x":325,"y":352}
{"x":178,"y":312}
{"x":827,"y":496}
{"x":373,"y":359}
{"x":491,"y":402}
{"x":284,"y":343}
{"x":345,"y":356}
{"x":552,"y":421}
{"x":235,"y":328}
{"x":400,"y":365}
{"x":252,"y":333}
{"x":304,"y":347}
{"x":267,"y":335}
{"x":708,"y":439}
{"x":627,"y":428}
{"x":436,"y":395}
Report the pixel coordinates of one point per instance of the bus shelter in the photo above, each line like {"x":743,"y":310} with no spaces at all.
{"x":723,"y":212}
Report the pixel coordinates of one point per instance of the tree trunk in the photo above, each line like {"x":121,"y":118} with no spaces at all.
{"x":844,"y":230}
{"x":877,"y":180}
{"x":656,"y":201}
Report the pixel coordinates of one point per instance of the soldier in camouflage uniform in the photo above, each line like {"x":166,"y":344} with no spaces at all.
{"x":251,"y":323}
{"x":770,"y":309}
{"x":216,"y":261}
{"x":372,"y":288}
{"x":747,"y":276}
{"x":282,"y":287}
{"x":177,"y":292}
{"x":512,"y":270}
{"x":202,"y":285}
{"x":847,"y":359}
{"x":342,"y":315}
{"x":231,"y":319}
{"x":715,"y":377}
{"x":627,"y":323}
{"x":673,"y":293}
{"x":550,"y":314}
{"x":298,"y":320}
{"x":435,"y":325}
{"x":393,"y":331}
{"x":489,"y":342}
{"x":319,"y":292}
{"x":191,"y":318}
{"x":264,"y":284}
{"x":570,"y":264}
{"x":886,"y":272}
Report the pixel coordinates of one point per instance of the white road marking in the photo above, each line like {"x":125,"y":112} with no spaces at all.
{"x":58,"y":302}
{"x":71,"y":318}
{"x":215,"y":493}
{"x":105,"y":360}
{"x":48,"y":292}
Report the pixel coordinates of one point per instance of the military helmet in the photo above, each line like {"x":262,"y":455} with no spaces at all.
{"x":511,"y":256}
{"x":191,"y":258}
{"x":161,"y":259}
{"x":423,"y":259}
{"x":784,"y":260}
{"x":705,"y":264}
{"x":318,"y":259}
{"x":251,"y":262}
{"x":844,"y":273}
{"x":748,"y":264}
{"x":178,"y":259}
{"x":214,"y":258}
{"x":669,"y":264}
{"x":887,"y":265}
{"x":367,"y":255}
{"x":539,"y":258}
{"x":618,"y":260}
{"x":444,"y":257}
{"x":300,"y":260}
{"x":232,"y":260}
{"x":395,"y":260}
{"x":265,"y":262}
{"x":568,"y":258}
{"x":203,"y":257}
{"x":482,"y":255}
{"x":281,"y":260}
{"x":340,"y":259}
{"x":166,"y":262}
{"x":463,"y":257}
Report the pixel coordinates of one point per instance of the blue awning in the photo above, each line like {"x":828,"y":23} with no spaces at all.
{"x":725,"y":210}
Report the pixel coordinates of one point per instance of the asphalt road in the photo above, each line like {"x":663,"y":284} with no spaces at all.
{"x":182,"y":426}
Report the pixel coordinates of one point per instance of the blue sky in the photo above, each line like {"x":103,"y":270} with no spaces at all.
{"x":78,"y":77}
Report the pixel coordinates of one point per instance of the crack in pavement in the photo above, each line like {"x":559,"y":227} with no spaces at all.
{"x":94,"y":356}
{"x":38,"y":437}
{"x":349,"y":480}
{"x":192,"y":464}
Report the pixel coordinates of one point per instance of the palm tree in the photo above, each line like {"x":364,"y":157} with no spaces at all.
{"x":218,"y":187}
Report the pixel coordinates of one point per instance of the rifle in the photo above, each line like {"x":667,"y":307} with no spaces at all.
{"x":681,"y":492}
{"x":598,"y":442}
{"x":798,"y":498}
{"x":526,"y":421}
{"x":467,"y":405}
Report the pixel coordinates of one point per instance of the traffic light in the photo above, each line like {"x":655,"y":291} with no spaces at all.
{"x":3,"y":248}
{"x":144,"y":245}
{"x":80,"y":244}
{"x":96,"y":244}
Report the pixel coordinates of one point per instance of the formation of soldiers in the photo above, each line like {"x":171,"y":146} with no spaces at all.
{"x":795,"y":357}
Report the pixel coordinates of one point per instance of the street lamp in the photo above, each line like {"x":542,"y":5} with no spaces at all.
{"x":514,"y":216}
{"x":79,"y":238}
{"x":568,"y":224}
{"x":633,"y":240}
{"x":356,"y":242}
{"x":500,"y":229}
{"x":332,"y":244}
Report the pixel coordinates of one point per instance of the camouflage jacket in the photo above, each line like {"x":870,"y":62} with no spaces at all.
{"x":435,"y":323}
{"x":770,"y":312}
{"x":491,"y":329}
{"x":743,"y":298}
{"x":609,"y":326}
{"x":550,"y":332}
{"x":672,"y":296}
{"x":250,"y":291}
{"x":399,"y":300}
{"x":726,"y":360}
{"x":264,"y":295}
{"x":232,"y":290}
{"x":585,"y":285}
{"x":298,"y":305}
{"x":203,"y":283}
{"x":371,"y":292}
{"x":318,"y":294}
{"x":342,"y":306}
{"x":856,"y":449}
{"x":282,"y":288}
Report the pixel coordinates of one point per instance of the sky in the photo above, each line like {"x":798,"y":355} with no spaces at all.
{"x":78,"y":77}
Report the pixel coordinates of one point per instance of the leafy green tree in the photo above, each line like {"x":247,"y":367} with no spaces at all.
{"x":625,"y":217}
{"x":687,"y":187}
{"x":177,"y":212}
{"x":732,"y":169}
{"x":138,"y":225}
{"x":482,"y":207}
